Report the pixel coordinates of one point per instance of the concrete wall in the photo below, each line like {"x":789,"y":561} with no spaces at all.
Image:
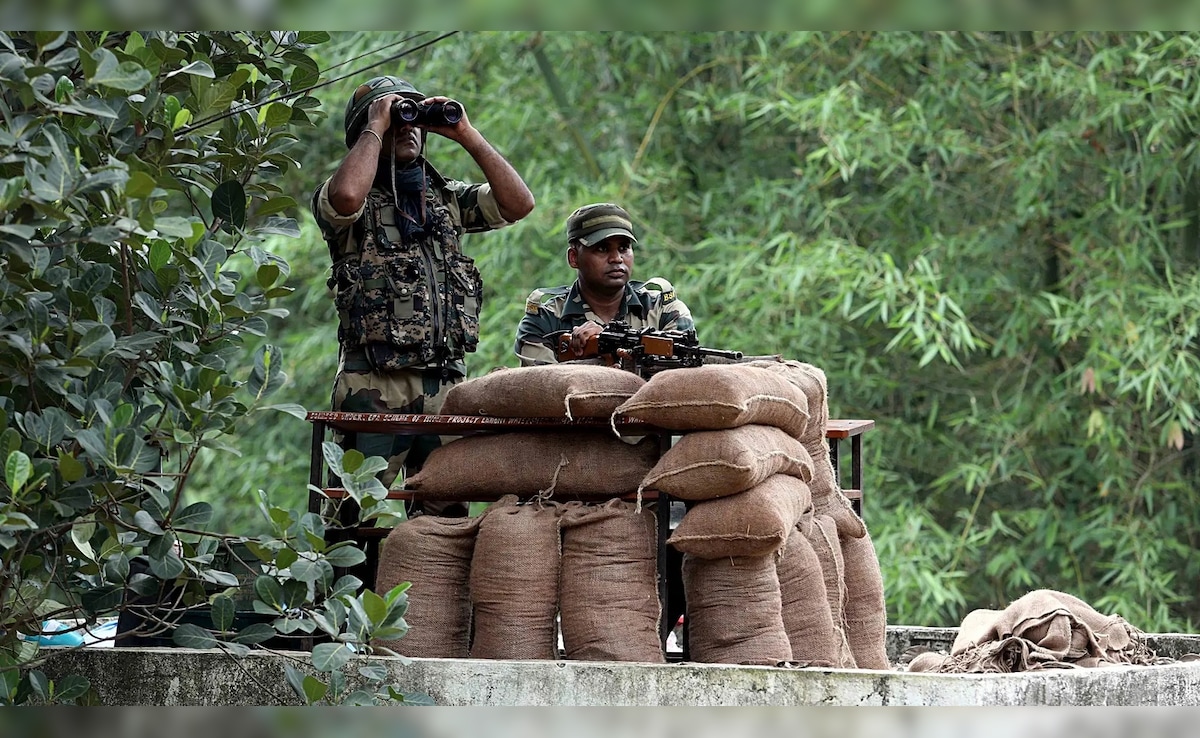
{"x":174,"y":676}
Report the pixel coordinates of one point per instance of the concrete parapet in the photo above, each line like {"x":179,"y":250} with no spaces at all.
{"x":176,"y":676}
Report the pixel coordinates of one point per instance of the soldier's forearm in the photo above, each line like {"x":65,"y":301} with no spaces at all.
{"x":511,"y":193}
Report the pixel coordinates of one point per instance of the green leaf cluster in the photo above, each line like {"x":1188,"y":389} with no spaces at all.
{"x":140,"y":191}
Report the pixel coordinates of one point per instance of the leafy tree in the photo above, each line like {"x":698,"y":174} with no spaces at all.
{"x":138,"y":191}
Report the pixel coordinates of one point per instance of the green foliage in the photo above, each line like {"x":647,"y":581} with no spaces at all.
{"x":986,"y":240}
{"x":139,"y":191}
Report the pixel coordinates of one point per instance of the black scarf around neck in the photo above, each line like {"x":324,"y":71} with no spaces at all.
{"x":408,"y":189}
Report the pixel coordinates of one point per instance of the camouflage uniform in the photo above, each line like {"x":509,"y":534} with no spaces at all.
{"x":647,"y":304}
{"x":408,"y":310}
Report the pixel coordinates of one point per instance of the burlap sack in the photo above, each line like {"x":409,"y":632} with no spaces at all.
{"x":823,"y":536}
{"x":608,"y":592}
{"x":826,"y":490}
{"x":713,"y":397}
{"x":434,"y":554}
{"x":734,"y":613}
{"x":551,"y":391}
{"x":806,"y":614}
{"x":753,"y":523}
{"x":514,"y":581}
{"x":1044,"y":629}
{"x":703,"y":465}
{"x":574,"y":464}
{"x":866,"y":611}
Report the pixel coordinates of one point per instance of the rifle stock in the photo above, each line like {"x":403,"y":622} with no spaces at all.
{"x":639,"y":350}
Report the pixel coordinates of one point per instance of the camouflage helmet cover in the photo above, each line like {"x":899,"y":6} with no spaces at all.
{"x":367,"y":93}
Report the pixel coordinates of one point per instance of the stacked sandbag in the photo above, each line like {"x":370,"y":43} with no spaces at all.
{"x":608,"y":596}
{"x":607,"y":552}
{"x":716,"y":397}
{"x":514,"y":581}
{"x":814,"y":638}
{"x":741,"y":466}
{"x":434,"y":555}
{"x":562,"y":465}
{"x":734,"y":611}
{"x":550,"y":391}
{"x":865,"y":609}
{"x":823,"y":537}
{"x":826,"y":490}
{"x":704,"y":465}
{"x":755,"y":522}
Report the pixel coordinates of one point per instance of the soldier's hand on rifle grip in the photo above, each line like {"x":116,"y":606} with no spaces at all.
{"x":581,"y":343}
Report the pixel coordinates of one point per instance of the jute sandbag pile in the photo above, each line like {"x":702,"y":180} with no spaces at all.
{"x":497,"y":586}
{"x":777,"y":566}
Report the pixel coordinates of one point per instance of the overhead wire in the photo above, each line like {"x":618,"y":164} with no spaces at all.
{"x":295,"y":93}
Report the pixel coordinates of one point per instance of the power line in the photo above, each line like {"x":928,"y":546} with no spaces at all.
{"x":306,"y":90}
{"x":404,"y":40}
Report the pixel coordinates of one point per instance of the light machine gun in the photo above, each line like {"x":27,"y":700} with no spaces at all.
{"x":643,"y":351}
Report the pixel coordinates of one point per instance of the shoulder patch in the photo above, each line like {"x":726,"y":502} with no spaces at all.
{"x":543,"y":297}
{"x":661,"y":285}
{"x":533,"y":303}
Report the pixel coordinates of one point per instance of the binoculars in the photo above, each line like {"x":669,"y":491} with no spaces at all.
{"x":421,"y":114}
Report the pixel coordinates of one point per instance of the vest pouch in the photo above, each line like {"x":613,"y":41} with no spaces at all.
{"x":408,"y":307}
{"x":362,"y":301}
{"x":465,"y":290}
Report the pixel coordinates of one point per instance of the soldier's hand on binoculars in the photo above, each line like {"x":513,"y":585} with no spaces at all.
{"x":380,"y":112}
{"x":452,"y":131}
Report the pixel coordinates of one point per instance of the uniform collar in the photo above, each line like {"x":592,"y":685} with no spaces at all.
{"x":634,"y":302}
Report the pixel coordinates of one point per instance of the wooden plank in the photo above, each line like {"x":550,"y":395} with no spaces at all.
{"x":407,"y":495}
{"x":461,"y":425}
{"x":844,"y":428}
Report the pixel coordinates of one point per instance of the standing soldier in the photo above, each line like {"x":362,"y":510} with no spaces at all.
{"x":407,"y":297}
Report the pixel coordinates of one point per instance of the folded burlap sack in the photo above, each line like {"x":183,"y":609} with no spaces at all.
{"x":1044,"y":629}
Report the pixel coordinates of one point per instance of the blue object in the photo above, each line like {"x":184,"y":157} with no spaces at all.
{"x":56,"y":633}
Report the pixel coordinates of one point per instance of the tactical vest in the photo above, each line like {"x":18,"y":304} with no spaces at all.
{"x":405,"y":303}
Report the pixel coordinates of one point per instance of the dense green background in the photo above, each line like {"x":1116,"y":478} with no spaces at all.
{"x":987,"y":241}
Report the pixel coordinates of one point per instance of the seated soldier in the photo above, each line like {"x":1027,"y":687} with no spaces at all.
{"x":600,"y":245}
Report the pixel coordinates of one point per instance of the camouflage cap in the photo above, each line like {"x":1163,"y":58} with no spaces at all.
{"x":367,"y":93}
{"x":593,"y":223}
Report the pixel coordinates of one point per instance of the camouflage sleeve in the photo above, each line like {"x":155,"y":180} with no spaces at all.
{"x":531,"y":346}
{"x":674,"y":315}
{"x":330,"y":221}
{"x":477,"y":206}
